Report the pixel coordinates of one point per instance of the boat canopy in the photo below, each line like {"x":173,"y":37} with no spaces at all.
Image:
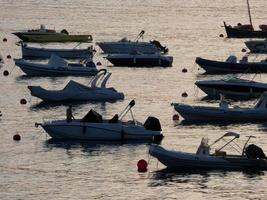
{"x":228,"y":134}
{"x":231,"y":134}
{"x":74,"y":86}
{"x":56,"y":61}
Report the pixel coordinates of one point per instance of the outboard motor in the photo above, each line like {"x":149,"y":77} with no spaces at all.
{"x":252,"y":151}
{"x":157,"y":44}
{"x":153,"y":124}
{"x":65,"y":32}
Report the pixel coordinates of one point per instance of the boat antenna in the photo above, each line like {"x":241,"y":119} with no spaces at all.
{"x":249,"y":14}
{"x":128,"y":107}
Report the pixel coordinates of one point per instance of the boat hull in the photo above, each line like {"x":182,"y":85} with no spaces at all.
{"x":218,"y":67}
{"x":128,"y":47}
{"x":86,"y":95}
{"x":36,"y":53}
{"x":33,"y":69}
{"x":257,"y":46}
{"x":232,"y":90}
{"x":39,"y":38}
{"x":140,"y":61}
{"x":76,"y":130}
{"x":175,"y":160}
{"x":241,"y":33}
{"x":215,"y":114}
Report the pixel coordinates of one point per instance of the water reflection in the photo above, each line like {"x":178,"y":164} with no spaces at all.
{"x":92,"y":147}
{"x":79,"y":104}
{"x":167,"y":177}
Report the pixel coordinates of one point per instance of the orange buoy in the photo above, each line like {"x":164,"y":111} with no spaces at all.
{"x":184,"y":70}
{"x":221,"y":35}
{"x":23,"y":101}
{"x":175,"y":117}
{"x":8,"y":56}
{"x":4,"y":40}
{"x":142,"y":166}
{"x":98,"y":63}
{"x":184,"y":94}
{"x":243,"y":50}
{"x":5,"y":73}
{"x":16,"y":137}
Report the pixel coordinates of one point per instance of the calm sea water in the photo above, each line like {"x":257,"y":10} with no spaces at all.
{"x":35,"y":169}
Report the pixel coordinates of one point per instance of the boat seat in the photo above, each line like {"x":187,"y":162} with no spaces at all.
{"x":114,"y":119}
{"x":220,"y":153}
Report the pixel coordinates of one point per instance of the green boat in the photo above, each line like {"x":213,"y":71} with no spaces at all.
{"x":50,"y":35}
{"x":56,"y":38}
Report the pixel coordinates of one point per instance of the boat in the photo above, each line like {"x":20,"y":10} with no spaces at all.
{"x":136,"y":59}
{"x":49,"y":35}
{"x":223,"y":112}
{"x":125,"y":46}
{"x":57,"y":66}
{"x":213,"y":156}
{"x":246,"y":30}
{"x":231,"y":65}
{"x":43,"y":53}
{"x":257,"y":46}
{"x":93,"y":127}
{"x":1,"y":60}
{"x":232,"y":87}
{"x":74,"y":91}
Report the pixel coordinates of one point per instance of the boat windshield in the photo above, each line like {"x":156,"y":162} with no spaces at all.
{"x":204,"y":148}
{"x":233,"y":78}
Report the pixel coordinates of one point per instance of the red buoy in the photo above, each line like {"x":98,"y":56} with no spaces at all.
{"x":184,"y":70}
{"x":16,"y":137}
{"x":142,"y":166}
{"x":221,"y":35}
{"x":175,"y":117}
{"x":5,"y":73}
{"x":8,"y":56}
{"x":23,"y":101}
{"x":243,"y":50}
{"x":184,"y":94}
{"x":98,"y":63}
{"x":4,"y":40}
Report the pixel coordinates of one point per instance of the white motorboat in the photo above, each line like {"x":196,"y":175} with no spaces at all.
{"x":232,"y":87}
{"x":224,"y":113}
{"x":257,"y":46}
{"x":125,"y":46}
{"x":41,"y":53}
{"x":57,"y":66}
{"x":93,"y":127}
{"x":73,"y":91}
{"x":136,"y":59}
{"x":250,"y":157}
